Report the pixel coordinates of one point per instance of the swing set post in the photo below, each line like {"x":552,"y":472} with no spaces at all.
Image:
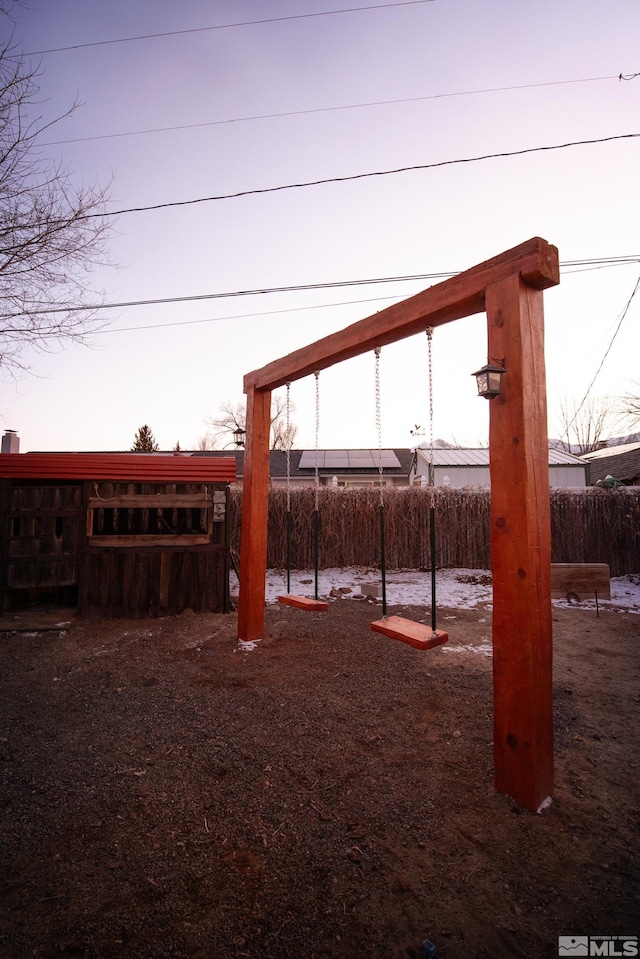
{"x":255,"y":513}
{"x":520,"y":548}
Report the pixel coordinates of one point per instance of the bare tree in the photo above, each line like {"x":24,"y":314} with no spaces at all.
{"x":52,"y":232}
{"x":630,"y":405}
{"x":6,"y":6}
{"x":233,"y":416}
{"x":585,"y":428}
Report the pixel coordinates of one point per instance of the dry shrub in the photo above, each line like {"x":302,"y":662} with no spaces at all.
{"x":587,"y":526}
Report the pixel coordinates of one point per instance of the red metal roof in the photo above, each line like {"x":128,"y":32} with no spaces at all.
{"x":123,"y":467}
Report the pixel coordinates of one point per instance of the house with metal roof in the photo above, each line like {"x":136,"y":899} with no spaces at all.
{"x":466,"y":467}
{"x":622,"y":463}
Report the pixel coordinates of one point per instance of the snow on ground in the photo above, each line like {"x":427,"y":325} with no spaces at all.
{"x":455,"y":588}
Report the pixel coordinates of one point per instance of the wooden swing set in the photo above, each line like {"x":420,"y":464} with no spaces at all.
{"x":509,"y":289}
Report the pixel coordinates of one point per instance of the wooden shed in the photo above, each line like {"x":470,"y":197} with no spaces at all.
{"x":118,"y":534}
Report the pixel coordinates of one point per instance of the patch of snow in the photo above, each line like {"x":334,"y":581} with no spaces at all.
{"x":247,"y":646}
{"x":484,"y":649}
{"x":455,"y":588}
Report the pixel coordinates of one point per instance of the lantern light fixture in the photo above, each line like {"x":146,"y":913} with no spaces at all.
{"x":489,"y":379}
{"x":239,"y":436}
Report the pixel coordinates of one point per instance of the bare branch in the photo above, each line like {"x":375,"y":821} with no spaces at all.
{"x":51,"y":233}
{"x":233,"y":416}
{"x":587,"y":428}
{"x":630,"y":405}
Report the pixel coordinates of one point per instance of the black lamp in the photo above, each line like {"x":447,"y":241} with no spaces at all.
{"x":489,"y":379}
{"x":239,"y":436}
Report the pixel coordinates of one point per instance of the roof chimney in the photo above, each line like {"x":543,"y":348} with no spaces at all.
{"x":10,"y":442}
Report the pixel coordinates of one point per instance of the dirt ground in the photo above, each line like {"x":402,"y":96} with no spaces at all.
{"x":328,"y":795}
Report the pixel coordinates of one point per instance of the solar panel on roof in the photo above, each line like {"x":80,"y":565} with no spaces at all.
{"x":349,"y":459}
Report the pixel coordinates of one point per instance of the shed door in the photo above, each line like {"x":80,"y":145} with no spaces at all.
{"x":43,"y":534}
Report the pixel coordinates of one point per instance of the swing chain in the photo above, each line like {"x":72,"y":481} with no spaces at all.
{"x":432,"y":470}
{"x":379,"y":422}
{"x":288,"y":434}
{"x":317,"y":469}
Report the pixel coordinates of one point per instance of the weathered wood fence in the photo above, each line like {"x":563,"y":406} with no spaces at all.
{"x":587,"y":526}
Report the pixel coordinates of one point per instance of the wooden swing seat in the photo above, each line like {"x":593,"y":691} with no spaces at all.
{"x":417,"y":635}
{"x":304,"y":602}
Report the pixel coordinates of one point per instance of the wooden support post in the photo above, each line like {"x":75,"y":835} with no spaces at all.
{"x":255,"y":510}
{"x":520,"y":546}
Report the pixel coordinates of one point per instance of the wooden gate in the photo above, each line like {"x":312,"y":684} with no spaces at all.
{"x":41,"y":539}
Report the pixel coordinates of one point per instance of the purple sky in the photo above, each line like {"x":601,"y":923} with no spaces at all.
{"x":549,"y":75}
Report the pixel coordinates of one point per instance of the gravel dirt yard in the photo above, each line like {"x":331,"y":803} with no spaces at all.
{"x":330,"y":794}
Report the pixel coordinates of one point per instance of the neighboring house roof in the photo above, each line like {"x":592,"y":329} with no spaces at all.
{"x":480,"y":457}
{"x":395,"y":462}
{"x":121,"y":467}
{"x":606,"y":451}
{"x":623,"y":465}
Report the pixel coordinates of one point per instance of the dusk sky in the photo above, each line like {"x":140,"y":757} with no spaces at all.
{"x":203,"y":112}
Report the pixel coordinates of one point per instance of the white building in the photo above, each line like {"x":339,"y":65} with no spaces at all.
{"x":470,"y":467}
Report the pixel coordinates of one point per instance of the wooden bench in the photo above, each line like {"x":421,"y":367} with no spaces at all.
{"x":580,"y":581}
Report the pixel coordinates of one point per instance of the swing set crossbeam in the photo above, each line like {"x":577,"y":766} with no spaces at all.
{"x":407,"y":631}
{"x":304,"y":602}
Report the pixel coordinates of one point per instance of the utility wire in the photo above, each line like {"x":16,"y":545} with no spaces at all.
{"x":606,"y":353}
{"x":241,"y":316}
{"x":329,"y":109}
{"x":227,"y":26}
{"x":225,"y":296}
{"x":592,"y":263}
{"x":357,"y":176}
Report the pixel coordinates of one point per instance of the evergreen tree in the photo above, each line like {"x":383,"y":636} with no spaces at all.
{"x":145,"y":441}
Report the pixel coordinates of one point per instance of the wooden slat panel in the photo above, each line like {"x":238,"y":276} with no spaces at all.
{"x":127,"y":542}
{"x":154,"y":501}
{"x":583,"y":579}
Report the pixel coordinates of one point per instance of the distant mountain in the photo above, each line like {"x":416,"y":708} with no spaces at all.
{"x":612,"y":441}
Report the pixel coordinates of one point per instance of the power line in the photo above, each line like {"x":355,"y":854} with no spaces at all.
{"x":591,"y":263}
{"x":606,"y":353}
{"x":329,"y":109}
{"x":163,"y":301}
{"x":358,"y":176}
{"x":227,"y":26}
{"x":242,"y":316}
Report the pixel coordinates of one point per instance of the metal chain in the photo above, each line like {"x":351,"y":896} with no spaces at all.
{"x":317,"y":472}
{"x":432,"y":470}
{"x":288,"y":447}
{"x":379,"y":422}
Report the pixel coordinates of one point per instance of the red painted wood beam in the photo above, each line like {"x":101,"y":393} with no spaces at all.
{"x":255,"y":514}
{"x":520,"y":547}
{"x":536,"y":261}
